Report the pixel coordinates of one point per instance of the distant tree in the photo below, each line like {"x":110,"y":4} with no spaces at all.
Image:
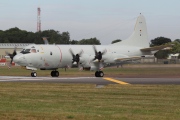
{"x":53,"y":37}
{"x":1,"y":36}
{"x":6,"y":40}
{"x":175,"y":47}
{"x":115,"y":41}
{"x":91,"y":41}
{"x":159,"y":41}
{"x":162,"y":54}
{"x":73,"y":42}
{"x":177,"y":40}
{"x":65,"y":37}
{"x":16,"y":35}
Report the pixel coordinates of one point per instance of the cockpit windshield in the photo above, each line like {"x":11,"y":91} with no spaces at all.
{"x":33,"y":50}
{"x":26,"y":51}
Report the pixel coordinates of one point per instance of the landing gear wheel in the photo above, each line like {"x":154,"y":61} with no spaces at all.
{"x":99,"y":74}
{"x":54,"y":73}
{"x":33,"y":74}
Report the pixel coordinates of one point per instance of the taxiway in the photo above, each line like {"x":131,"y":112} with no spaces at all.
{"x":91,"y":80}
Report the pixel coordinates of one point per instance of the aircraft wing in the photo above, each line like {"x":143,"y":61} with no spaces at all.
{"x":121,"y":59}
{"x":156,"y":48}
{"x":127,"y":58}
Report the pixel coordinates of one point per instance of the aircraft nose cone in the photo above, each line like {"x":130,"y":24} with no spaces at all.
{"x":15,"y":59}
{"x":20,"y":60}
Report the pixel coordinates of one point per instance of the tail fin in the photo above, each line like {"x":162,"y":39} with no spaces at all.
{"x":139,"y":37}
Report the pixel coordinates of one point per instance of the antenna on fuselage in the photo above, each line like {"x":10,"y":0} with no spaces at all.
{"x":45,"y":40}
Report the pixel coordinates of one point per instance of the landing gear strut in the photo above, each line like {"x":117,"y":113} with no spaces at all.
{"x":55,"y":74}
{"x":99,"y":74}
{"x":33,"y":74}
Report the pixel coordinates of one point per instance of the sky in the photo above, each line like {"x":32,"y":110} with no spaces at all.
{"x":107,"y":20}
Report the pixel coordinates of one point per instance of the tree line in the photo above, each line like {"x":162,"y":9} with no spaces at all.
{"x":15,"y":35}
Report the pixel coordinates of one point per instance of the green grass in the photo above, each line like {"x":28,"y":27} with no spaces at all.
{"x":50,"y":101}
{"x":127,"y":71}
{"x":45,"y":101}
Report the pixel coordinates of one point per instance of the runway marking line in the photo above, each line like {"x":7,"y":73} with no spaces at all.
{"x":116,"y":81}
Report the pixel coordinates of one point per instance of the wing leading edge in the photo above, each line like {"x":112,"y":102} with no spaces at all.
{"x":127,"y":59}
{"x":156,"y":48}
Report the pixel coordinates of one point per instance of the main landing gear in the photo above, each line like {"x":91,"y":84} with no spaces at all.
{"x":55,"y":73}
{"x":99,"y":74}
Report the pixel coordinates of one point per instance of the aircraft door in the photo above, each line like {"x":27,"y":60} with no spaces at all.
{"x":52,"y":57}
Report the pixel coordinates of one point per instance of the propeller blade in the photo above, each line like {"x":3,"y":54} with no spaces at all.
{"x":70,"y":50}
{"x":11,"y":61}
{"x":73,"y":56}
{"x":95,"y":50}
{"x":76,"y":58}
{"x":14,"y":53}
{"x":80,"y":53}
{"x":98,"y":55}
{"x":11,"y":56}
{"x":104,"y":51}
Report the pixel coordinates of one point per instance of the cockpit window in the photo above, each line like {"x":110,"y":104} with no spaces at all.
{"x":33,"y":50}
{"x":25,"y":51}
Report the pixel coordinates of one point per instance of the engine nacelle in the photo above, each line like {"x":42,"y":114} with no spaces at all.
{"x":85,"y":60}
{"x":110,"y":57}
{"x":92,"y":68}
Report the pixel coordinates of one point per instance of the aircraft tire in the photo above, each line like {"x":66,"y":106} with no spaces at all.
{"x":54,"y":73}
{"x":101,"y":74}
{"x":97,"y":74}
{"x":33,"y":74}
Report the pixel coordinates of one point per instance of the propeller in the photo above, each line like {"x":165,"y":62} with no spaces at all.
{"x":11,"y":56}
{"x":76,"y":58}
{"x":98,"y":55}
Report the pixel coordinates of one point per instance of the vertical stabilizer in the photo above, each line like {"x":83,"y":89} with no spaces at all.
{"x":139,"y":37}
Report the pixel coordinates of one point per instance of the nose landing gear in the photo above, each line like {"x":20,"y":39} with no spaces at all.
{"x":53,"y":74}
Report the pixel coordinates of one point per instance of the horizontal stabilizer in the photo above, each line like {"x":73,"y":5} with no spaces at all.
{"x":156,"y":48}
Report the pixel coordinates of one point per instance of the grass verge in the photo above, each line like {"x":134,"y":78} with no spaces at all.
{"x":45,"y":101}
{"x":127,"y":71}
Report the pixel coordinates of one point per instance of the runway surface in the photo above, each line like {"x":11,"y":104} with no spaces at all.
{"x":91,"y":80}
